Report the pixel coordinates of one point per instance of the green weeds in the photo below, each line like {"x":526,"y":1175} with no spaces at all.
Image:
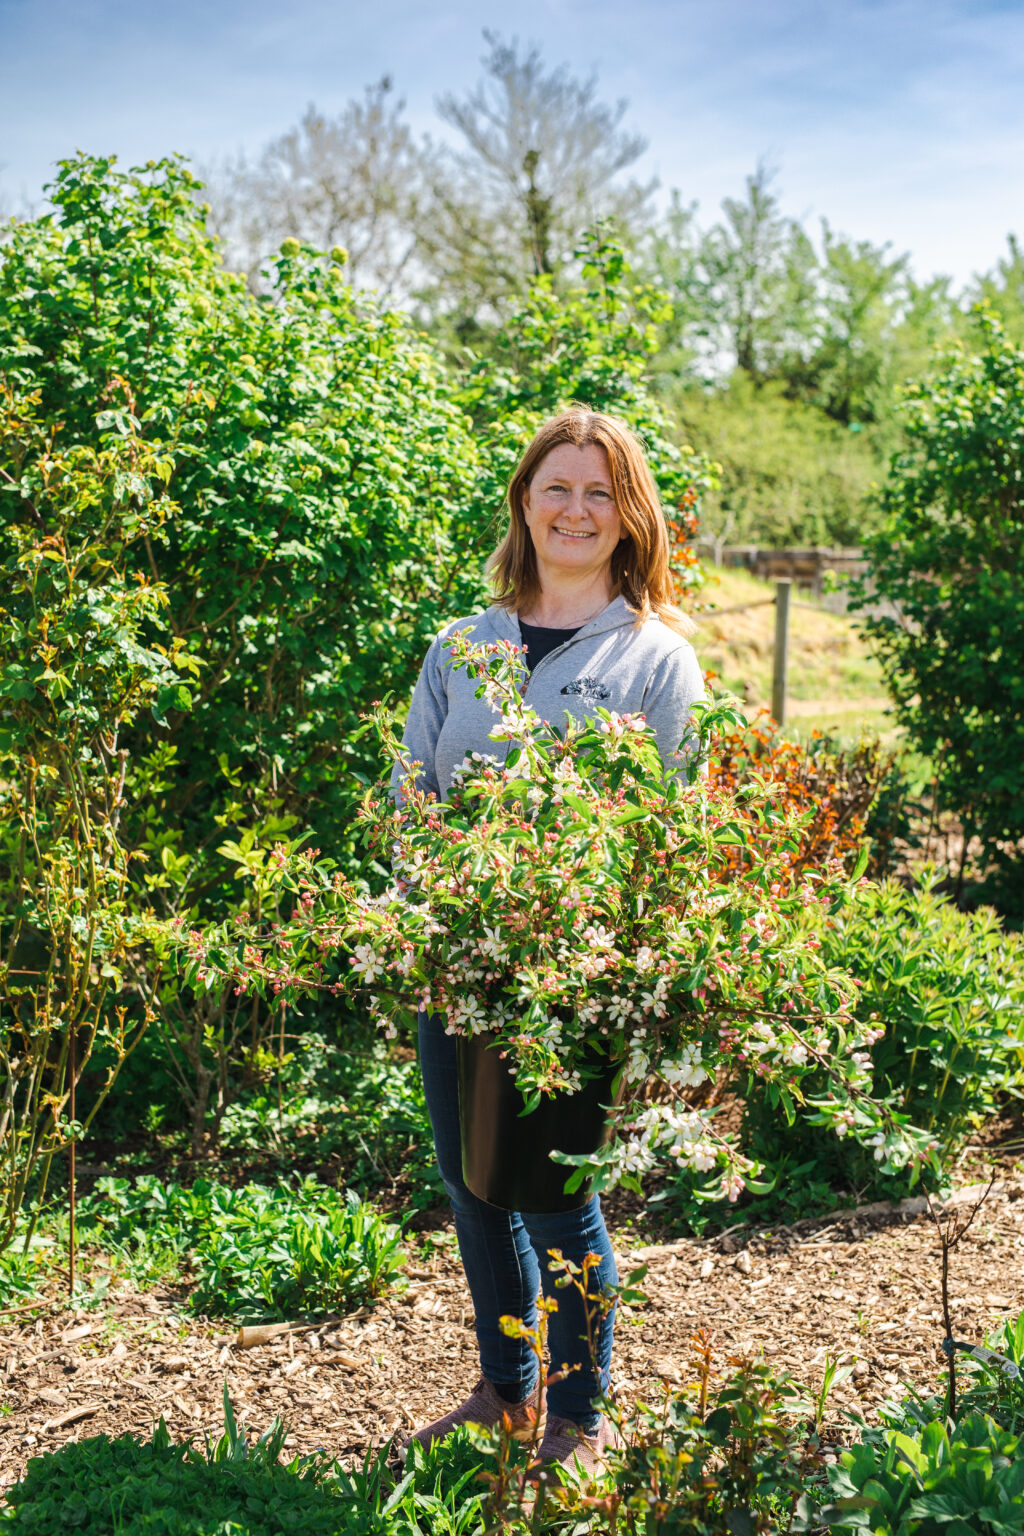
{"x":255,"y":1252}
{"x":230,"y":1488}
{"x":25,"y":1270}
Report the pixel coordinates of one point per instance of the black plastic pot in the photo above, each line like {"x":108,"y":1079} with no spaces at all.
{"x":506,"y":1154}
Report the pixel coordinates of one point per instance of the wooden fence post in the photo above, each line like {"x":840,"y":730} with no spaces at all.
{"x":782,"y":590}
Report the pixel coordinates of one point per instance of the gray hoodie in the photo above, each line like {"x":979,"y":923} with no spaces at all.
{"x":608,"y":663}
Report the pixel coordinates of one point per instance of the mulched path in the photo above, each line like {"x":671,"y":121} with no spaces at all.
{"x":861,"y":1285}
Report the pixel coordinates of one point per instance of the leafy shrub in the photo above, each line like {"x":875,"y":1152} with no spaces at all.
{"x":364,"y":1106}
{"x":323,"y":476}
{"x":946,"y":989}
{"x":320,"y":467}
{"x":737,"y":1460}
{"x":256,"y":1252}
{"x":86,"y":654}
{"x":950,"y":556}
{"x":831,"y":790}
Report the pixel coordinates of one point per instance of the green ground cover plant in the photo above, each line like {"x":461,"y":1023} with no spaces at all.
{"x":254,"y":1252}
{"x":230,"y":1488}
{"x":962,"y":1479}
{"x":26,"y":1267}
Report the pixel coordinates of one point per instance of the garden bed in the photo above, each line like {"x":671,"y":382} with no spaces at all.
{"x":862,"y":1285}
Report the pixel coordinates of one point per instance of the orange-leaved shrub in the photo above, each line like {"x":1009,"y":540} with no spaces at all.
{"x":832,"y":788}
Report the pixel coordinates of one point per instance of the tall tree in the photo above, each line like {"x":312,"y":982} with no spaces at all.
{"x":669,"y":255}
{"x":1002,"y":289}
{"x":354,"y":180}
{"x":540,"y":161}
{"x":862,"y":292}
{"x":761,"y":272}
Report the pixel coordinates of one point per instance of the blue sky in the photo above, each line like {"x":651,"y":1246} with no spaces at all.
{"x":898,"y":120}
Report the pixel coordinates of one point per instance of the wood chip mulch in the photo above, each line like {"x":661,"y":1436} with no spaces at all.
{"x":860,"y":1285}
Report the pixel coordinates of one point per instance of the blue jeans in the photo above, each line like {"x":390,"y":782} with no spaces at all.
{"x":504,"y":1255}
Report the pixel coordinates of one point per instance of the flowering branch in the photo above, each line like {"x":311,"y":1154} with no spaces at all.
{"x":579,"y":900}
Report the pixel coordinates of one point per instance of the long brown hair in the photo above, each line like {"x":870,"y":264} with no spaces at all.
{"x":640,"y":562}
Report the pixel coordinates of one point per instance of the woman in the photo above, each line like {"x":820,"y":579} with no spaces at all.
{"x":582,"y":581}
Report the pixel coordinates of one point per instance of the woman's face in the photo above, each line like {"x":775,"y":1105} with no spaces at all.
{"x":571,"y":513}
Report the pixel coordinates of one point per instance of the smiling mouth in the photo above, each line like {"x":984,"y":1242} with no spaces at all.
{"x":568,"y":533}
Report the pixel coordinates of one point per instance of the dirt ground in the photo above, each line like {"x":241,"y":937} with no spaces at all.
{"x":861,"y":1285}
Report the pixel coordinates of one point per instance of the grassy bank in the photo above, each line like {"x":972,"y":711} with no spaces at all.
{"x":834,"y":683}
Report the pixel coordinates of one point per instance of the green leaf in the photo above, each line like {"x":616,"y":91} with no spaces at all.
{"x":633,"y":813}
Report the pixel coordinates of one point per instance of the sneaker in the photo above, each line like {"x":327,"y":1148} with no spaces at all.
{"x":565,"y":1446}
{"x":485,"y":1406}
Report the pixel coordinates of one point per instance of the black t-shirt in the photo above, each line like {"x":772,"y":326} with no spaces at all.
{"x":539,"y":641}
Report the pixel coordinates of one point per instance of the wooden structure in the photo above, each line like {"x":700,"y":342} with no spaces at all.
{"x":805,"y":568}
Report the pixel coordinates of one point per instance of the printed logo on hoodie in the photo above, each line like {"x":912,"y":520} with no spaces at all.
{"x":587,"y":688}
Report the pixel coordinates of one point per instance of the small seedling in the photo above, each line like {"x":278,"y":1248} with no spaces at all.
{"x":832,"y":1375}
